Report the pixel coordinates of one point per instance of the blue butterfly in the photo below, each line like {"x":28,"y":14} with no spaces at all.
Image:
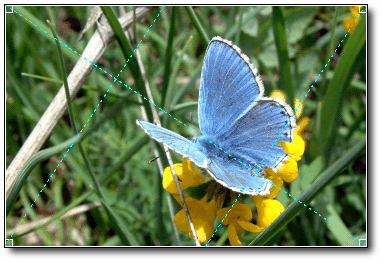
{"x":240,"y":129}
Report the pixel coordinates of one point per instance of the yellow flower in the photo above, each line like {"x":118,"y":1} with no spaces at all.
{"x":301,"y":126}
{"x":295,"y":149}
{"x":277,"y":183}
{"x":278,"y":94}
{"x":188,"y":176}
{"x":351,"y":22}
{"x":202,"y":216}
{"x":288,"y":172}
{"x":299,"y":106}
{"x":267,"y":210}
{"x":237,"y":218}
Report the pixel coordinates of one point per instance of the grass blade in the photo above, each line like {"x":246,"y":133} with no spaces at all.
{"x":282,"y":53}
{"x":337,"y":87}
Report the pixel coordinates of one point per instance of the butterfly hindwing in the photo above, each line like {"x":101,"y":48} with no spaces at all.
{"x":239,"y":178}
{"x":255,"y":136}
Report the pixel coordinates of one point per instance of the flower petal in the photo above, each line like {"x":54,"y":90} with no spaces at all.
{"x":232,"y":235}
{"x":278,"y":94}
{"x":354,"y":10}
{"x":188,"y":176}
{"x":301,"y":126}
{"x":299,"y":106}
{"x":277,"y":183}
{"x":295,"y":149}
{"x":238,"y":211}
{"x":204,"y":227}
{"x":267,"y":210}
{"x":247,"y":226}
{"x":289,"y":171}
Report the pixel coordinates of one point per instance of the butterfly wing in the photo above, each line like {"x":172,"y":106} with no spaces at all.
{"x":175,"y":142}
{"x":229,"y":87}
{"x":239,"y":178}
{"x":252,"y":146}
{"x":234,"y":113}
{"x":229,"y":174}
{"x":254,"y":137}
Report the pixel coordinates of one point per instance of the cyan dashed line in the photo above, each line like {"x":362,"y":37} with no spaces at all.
{"x":227,"y":152}
{"x":84,"y":125}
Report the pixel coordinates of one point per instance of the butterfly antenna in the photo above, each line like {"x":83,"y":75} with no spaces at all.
{"x":155,"y":158}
